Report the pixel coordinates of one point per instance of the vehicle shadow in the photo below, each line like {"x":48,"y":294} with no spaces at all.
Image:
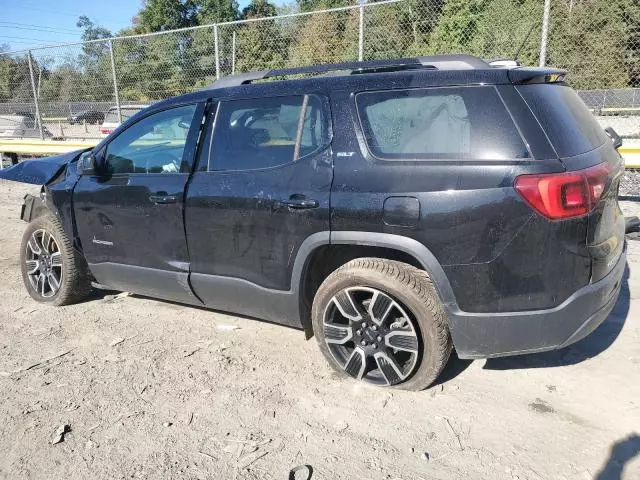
{"x":455,"y":366}
{"x":622,"y":452}
{"x":591,"y":346}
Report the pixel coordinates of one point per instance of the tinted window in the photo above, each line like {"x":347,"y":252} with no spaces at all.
{"x":155,"y":144}
{"x":262,"y":133}
{"x":565,"y":118}
{"x":439,"y":123}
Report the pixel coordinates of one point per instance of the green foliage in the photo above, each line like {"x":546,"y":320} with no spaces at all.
{"x":322,"y":40}
{"x":458,"y":25}
{"x":212,"y":11}
{"x":597,"y":41}
{"x":588,"y":39}
{"x":312,"y":5}
{"x":160,"y":15}
{"x":15,"y":82}
{"x":260,"y":45}
{"x":259,"y":9}
{"x":521,"y":17}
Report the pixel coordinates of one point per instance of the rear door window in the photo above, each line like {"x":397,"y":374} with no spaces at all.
{"x":457,"y":123}
{"x":570,"y":126}
{"x":267,"y":132}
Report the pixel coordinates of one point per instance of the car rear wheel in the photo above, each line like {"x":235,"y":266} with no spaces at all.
{"x":52,"y":271}
{"x":381,"y":321}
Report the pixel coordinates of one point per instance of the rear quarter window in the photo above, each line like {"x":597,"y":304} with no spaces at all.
{"x":569,"y":125}
{"x":456,"y":123}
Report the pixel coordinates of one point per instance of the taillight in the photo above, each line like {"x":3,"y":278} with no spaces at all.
{"x":105,"y":131}
{"x":564,"y":195}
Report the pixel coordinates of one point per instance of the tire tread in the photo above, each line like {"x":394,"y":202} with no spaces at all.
{"x":421,"y":286}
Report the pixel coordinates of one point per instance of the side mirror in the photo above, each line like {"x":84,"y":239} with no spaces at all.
{"x":87,"y":164}
{"x":615,"y":138}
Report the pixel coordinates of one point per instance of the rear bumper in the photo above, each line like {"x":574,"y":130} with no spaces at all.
{"x":485,"y":335}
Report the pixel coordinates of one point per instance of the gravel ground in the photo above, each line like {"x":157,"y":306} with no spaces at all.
{"x":156,"y":390}
{"x":630,"y":183}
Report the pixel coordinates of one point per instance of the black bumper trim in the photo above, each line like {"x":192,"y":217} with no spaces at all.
{"x":486,"y":335}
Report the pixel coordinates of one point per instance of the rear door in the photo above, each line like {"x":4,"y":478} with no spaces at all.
{"x":261,"y":190}
{"x":130,"y":219}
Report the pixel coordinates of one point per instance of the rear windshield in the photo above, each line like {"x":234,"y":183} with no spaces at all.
{"x":458,"y":123}
{"x":570,"y":126}
{"x":112,"y":114}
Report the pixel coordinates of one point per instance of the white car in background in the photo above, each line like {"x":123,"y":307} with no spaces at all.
{"x":21,"y":125}
{"x":111,"y":120}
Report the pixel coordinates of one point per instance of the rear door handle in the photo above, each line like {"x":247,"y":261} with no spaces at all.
{"x":300,"y":203}
{"x":163,"y":199}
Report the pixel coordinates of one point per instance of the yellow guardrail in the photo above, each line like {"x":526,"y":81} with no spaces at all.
{"x":43,"y":147}
{"x":631,"y":155}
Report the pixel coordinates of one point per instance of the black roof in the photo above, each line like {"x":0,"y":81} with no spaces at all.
{"x":440,"y":62}
{"x":441,"y":70}
{"x":462,"y":64}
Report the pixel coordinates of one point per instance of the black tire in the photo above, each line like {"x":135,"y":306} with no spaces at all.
{"x":73,"y":275}
{"x":409,"y":287}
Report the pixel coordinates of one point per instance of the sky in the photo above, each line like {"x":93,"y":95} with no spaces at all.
{"x":29,"y":23}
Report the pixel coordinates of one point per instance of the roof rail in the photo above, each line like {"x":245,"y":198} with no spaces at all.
{"x":439,"y":62}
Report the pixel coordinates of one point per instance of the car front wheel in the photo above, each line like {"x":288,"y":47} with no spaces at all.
{"x":52,"y":271}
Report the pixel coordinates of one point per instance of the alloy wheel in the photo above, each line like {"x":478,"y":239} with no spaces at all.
{"x":371,"y":335}
{"x":44,"y":263}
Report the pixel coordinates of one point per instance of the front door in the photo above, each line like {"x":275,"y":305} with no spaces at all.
{"x":130,"y":217}
{"x":260,"y":193}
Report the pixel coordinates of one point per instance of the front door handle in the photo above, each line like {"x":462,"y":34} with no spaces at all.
{"x":300,"y":203}
{"x":163,"y":199}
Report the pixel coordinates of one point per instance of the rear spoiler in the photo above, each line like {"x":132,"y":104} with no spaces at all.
{"x":525,"y":75}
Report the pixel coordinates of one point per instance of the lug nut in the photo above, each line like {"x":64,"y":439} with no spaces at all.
{"x":363,"y":343}
{"x":358,"y":332}
{"x":364,"y":325}
{"x":379,"y":338}
{"x":374,"y":327}
{"x":375,"y":345}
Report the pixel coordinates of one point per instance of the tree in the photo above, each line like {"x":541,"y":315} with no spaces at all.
{"x":589,"y":39}
{"x":259,"y":9}
{"x":457,"y":26}
{"x":260,"y":45}
{"x":312,"y":5}
{"x":160,"y":15}
{"x":216,"y":11}
{"x":521,"y":16}
{"x":319,"y":37}
{"x":91,"y":30}
{"x":15,"y":82}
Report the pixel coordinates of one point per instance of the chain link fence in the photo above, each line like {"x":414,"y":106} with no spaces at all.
{"x":597,"y":41}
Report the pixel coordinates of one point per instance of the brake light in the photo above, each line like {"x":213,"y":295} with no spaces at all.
{"x":105,"y":131}
{"x":564,"y":195}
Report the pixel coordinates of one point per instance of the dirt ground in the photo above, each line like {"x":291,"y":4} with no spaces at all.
{"x":156,"y":390}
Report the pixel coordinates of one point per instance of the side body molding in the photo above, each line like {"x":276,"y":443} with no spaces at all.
{"x":246,"y":298}
{"x":284,"y":306}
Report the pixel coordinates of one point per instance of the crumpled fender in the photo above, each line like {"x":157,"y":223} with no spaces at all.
{"x":39,"y":171}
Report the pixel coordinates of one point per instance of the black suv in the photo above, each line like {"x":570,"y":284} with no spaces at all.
{"x":393,"y":209}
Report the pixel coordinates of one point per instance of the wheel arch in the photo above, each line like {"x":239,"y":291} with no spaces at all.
{"x":322,"y":258}
{"x":33,"y":207}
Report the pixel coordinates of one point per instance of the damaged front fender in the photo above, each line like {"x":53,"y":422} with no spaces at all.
{"x":39,"y":171}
